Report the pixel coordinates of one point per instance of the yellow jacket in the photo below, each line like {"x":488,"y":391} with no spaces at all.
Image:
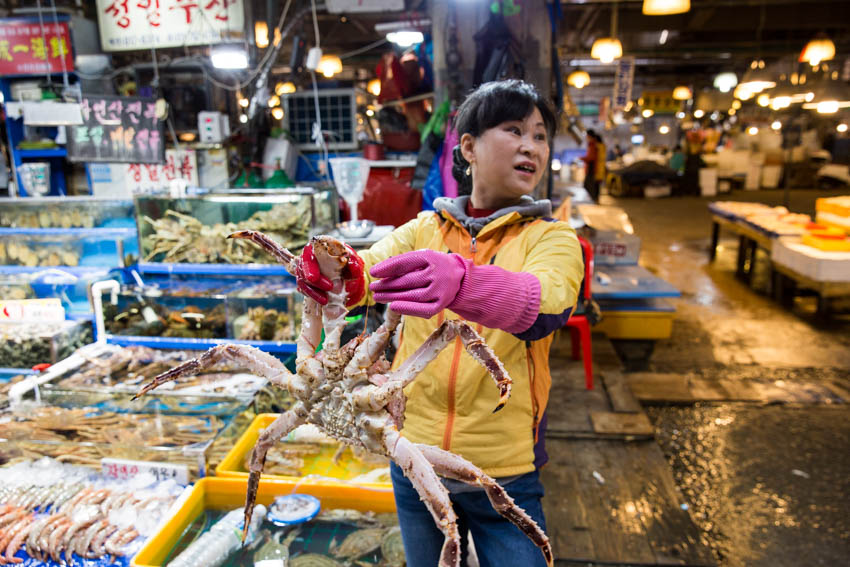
{"x":450,"y":404}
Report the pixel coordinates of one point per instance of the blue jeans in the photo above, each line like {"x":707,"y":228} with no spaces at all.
{"x":498,"y":542}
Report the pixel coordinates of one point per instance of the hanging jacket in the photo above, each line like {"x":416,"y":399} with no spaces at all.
{"x":450,"y":404}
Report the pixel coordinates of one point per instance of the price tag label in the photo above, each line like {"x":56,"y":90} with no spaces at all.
{"x":123,"y":469}
{"x":40,"y":310}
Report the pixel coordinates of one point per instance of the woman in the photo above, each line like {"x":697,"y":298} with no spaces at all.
{"x":590,"y":159}
{"x":497,"y":259}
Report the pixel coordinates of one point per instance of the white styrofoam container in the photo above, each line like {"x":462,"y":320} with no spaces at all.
{"x":820,"y":265}
{"x":708,"y":181}
{"x":770,"y":175}
{"x":753,"y":179}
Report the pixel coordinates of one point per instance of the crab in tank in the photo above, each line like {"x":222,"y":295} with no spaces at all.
{"x":350,"y":393}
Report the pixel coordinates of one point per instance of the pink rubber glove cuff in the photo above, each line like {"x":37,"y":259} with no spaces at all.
{"x":498,"y":298}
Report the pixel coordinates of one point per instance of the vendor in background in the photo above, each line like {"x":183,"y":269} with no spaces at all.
{"x":495,"y":258}
{"x":591,"y":160}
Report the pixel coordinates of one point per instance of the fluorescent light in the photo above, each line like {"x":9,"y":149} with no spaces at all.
{"x":405,"y":38}
{"x":229,"y":57}
{"x":827,"y":107}
{"x":663,"y":39}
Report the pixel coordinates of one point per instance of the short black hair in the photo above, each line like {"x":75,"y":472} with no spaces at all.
{"x":490,"y":105}
{"x":500,"y":101}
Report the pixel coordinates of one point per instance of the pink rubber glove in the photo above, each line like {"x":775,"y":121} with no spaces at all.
{"x":424,"y":282}
{"x":420,"y":283}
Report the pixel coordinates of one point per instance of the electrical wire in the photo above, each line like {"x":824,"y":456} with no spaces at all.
{"x":44,"y":40}
{"x":61,"y":49}
{"x":315,"y":22}
{"x":364,"y":49}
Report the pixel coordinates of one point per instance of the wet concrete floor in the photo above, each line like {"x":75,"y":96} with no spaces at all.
{"x":767,"y":484}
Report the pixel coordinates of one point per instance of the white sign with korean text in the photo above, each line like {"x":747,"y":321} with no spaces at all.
{"x":142,"y":24}
{"x":623,"y":80}
{"x":144,"y":178}
{"x":37,"y":310}
{"x":125,"y":469}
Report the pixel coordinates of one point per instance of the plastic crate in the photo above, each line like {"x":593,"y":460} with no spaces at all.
{"x":229,"y":493}
{"x":318,"y":469}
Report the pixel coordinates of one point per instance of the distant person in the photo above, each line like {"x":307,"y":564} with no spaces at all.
{"x":677,"y":160}
{"x":590,"y":158}
{"x":600,"y":165}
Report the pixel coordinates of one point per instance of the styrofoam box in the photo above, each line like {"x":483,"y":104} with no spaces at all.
{"x":753,"y":179}
{"x":708,"y":181}
{"x":655,"y":191}
{"x":820,"y":265}
{"x":770,"y":175}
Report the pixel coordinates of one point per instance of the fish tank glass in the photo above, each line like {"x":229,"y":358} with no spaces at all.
{"x":66,"y":212}
{"x":39,"y":248}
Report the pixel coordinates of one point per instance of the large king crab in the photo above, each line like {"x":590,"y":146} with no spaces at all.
{"x":350,"y":393}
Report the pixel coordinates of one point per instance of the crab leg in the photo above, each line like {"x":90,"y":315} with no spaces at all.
{"x":432,"y":492}
{"x":257,"y":361}
{"x":282,"y":255}
{"x":279,"y":428}
{"x":368,"y":352}
{"x":472,"y":342}
{"x":456,"y":467}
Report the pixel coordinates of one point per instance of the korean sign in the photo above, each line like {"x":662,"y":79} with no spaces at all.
{"x":117,"y":129}
{"x":27,"y":48}
{"x":623,"y":80}
{"x":142,"y":24}
{"x":149,"y":178}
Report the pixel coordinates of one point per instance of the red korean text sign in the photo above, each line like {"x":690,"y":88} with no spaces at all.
{"x":28,"y":48}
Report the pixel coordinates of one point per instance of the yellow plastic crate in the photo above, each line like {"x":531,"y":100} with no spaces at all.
{"x":637,"y":319}
{"x":321,"y":465}
{"x":229,"y":493}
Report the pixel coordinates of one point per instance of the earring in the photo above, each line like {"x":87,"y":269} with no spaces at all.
{"x":468,"y":171}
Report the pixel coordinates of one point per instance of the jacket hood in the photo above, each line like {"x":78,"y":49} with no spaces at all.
{"x":527,"y":207}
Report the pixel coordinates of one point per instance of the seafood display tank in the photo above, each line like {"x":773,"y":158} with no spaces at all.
{"x":194,"y":230}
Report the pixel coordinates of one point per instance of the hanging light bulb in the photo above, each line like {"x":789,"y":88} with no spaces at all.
{"x":578,"y":79}
{"x":277,"y":112}
{"x":821,"y":48}
{"x":699,"y":113}
{"x":725,"y":82}
{"x":329,"y":65}
{"x":841,"y":127}
{"x":606,"y":49}
{"x":736,"y":104}
{"x":647,"y":112}
{"x":763,"y":99}
{"x":284,"y":88}
{"x":665,"y":7}
{"x":777,"y":125}
{"x":742,"y":93}
{"x":274,"y":101}
{"x":663,"y":129}
{"x":244,"y":102}
{"x":374,"y":87}
{"x":752,"y":130}
{"x":261,"y":34}
{"x":682,"y":93}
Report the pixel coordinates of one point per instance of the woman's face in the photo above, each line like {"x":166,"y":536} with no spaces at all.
{"x":508,"y":160}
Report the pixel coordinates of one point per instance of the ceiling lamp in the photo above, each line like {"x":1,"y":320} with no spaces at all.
{"x":284,"y":88}
{"x":229,"y":56}
{"x":819,"y":49}
{"x":777,"y":125}
{"x":647,"y":112}
{"x":274,"y":101}
{"x":261,"y":34}
{"x":578,"y":79}
{"x":374,"y":87}
{"x":329,"y":65}
{"x":757,"y":78}
{"x":841,"y":127}
{"x":752,"y":130}
{"x":829,"y":98}
{"x":699,"y":113}
{"x":606,"y":49}
{"x":742,"y":93}
{"x":682,"y":93}
{"x":665,"y":7}
{"x":725,"y":82}
{"x":277,"y":112}
{"x":736,"y":104}
{"x":763,"y":99}
{"x":663,"y":129}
